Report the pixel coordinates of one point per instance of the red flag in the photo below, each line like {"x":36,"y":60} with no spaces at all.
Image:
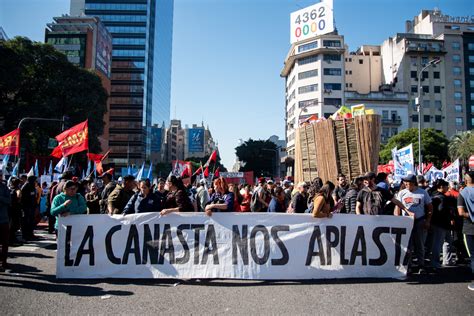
{"x":186,"y":173}
{"x":446,"y":164}
{"x":98,"y":167}
{"x":57,"y":152}
{"x":10,"y":143}
{"x":206,"y":172}
{"x":427,"y":167}
{"x":110,"y":171}
{"x":198,"y":171}
{"x":217,"y":173}
{"x":95,"y":157}
{"x":75,"y":139}
{"x":213,"y":157}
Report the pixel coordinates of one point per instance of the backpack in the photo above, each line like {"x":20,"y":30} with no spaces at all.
{"x":372,"y":202}
{"x":255,"y":204}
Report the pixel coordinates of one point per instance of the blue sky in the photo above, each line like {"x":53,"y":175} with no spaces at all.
{"x":228,"y":54}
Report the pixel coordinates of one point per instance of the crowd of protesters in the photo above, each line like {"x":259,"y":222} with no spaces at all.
{"x":443,"y":231}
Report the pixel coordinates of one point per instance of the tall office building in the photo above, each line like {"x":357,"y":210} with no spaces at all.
{"x":314,"y":76}
{"x":141,"y":71}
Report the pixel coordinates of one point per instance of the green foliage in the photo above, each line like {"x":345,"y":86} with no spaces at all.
{"x":196,"y":162}
{"x":435,"y":145}
{"x":461,"y":146}
{"x":38,"y":81}
{"x":162,"y":169}
{"x":258,"y":156}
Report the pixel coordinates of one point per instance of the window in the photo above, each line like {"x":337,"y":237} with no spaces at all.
{"x":470,"y":46}
{"x":306,"y":103}
{"x":128,"y":53}
{"x":471,"y":58}
{"x":414,"y":118}
{"x":425,"y":75}
{"x":456,"y":58}
{"x":292,"y":82}
{"x":307,"y":60}
{"x":394,"y":131}
{"x":471,"y":71}
{"x":458,"y":108}
{"x":309,"y":88}
{"x":122,"y":18}
{"x":438,"y":105}
{"x":424,"y":60}
{"x":426,"y":118}
{"x":456,"y":45}
{"x":456,"y":71}
{"x":332,"y":86}
{"x":385,"y":132}
{"x":332,"y":101}
{"x":426,"y":89}
{"x":413,"y":74}
{"x":361,"y":61}
{"x":348,"y":72}
{"x":414,"y":89}
{"x":459,"y":121}
{"x":126,"y":29}
{"x":472,"y":108}
{"x":457,"y":83}
{"x":437,"y":89}
{"x":128,"y":41}
{"x":437,"y":118}
{"x":436,"y":74}
{"x":457,"y":96}
{"x":330,"y":43}
{"x":308,"y":46}
{"x":331,"y":57}
{"x":115,"y":6}
{"x":308,"y":74}
{"x":332,"y":71}
{"x":385,"y":114}
{"x":471,"y":83}
{"x":413,"y":61}
{"x":426,"y":103}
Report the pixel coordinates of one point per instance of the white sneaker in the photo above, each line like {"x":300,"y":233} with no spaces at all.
{"x":471,"y":286}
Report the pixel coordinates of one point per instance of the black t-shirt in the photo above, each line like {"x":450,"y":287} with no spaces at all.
{"x":300,"y":203}
{"x":373,"y":201}
{"x":468,"y":225}
{"x":442,"y":212}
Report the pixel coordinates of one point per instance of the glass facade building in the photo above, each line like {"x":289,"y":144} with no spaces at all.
{"x":141,"y":71}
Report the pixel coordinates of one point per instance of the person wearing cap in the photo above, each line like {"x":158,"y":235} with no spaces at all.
{"x":28,"y":204}
{"x":202,"y":196}
{"x":5,"y":202}
{"x":121,"y":195}
{"x":418,"y":201}
{"x":372,"y":199}
{"x":441,"y":224}
{"x":68,"y":202}
{"x":107,"y":187}
{"x":466,"y":211}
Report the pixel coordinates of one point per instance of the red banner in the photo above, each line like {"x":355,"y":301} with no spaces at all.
{"x":10,"y":143}
{"x":57,"y":152}
{"x":75,"y":139}
{"x":95,"y":157}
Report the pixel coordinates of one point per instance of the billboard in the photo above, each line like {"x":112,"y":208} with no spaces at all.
{"x":196,"y":140}
{"x":103,"y":50}
{"x":312,"y":21}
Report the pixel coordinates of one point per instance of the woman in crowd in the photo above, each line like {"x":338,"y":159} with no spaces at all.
{"x":222,"y":200}
{"x":68,"y":202}
{"x":313,"y":190}
{"x":143,"y":201}
{"x":350,"y":199}
{"x":92,"y":199}
{"x":177,"y":199}
{"x":277,"y":204}
{"x":246,"y":198}
{"x":237,"y":197}
{"x":322,"y":201}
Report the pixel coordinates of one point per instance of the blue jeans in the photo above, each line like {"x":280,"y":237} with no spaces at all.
{"x":442,"y":238}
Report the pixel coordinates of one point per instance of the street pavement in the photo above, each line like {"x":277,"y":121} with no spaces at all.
{"x":31,"y":288}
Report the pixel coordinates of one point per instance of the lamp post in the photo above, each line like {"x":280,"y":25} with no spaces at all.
{"x":418,"y":101}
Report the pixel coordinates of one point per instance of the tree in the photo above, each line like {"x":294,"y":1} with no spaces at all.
{"x":258,"y":156}
{"x":196,"y":161}
{"x":435,"y":145}
{"x":36,"y":80}
{"x":461,"y":146}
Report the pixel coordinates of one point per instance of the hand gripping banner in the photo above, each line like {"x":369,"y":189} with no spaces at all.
{"x":232,"y":245}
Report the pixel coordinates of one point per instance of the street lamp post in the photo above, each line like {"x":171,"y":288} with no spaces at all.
{"x":418,"y":101}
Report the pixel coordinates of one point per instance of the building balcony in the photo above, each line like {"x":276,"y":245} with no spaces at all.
{"x":394,"y":121}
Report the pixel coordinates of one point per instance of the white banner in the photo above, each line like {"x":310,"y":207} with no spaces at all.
{"x":312,"y":21}
{"x":232,"y":245}
{"x":452,"y":172}
{"x":403,"y":162}
{"x":232,"y":174}
{"x":434,"y":174}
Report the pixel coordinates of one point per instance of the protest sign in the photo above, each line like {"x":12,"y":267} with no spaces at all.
{"x":452,"y":172}
{"x":403,"y":163}
{"x":232,"y":245}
